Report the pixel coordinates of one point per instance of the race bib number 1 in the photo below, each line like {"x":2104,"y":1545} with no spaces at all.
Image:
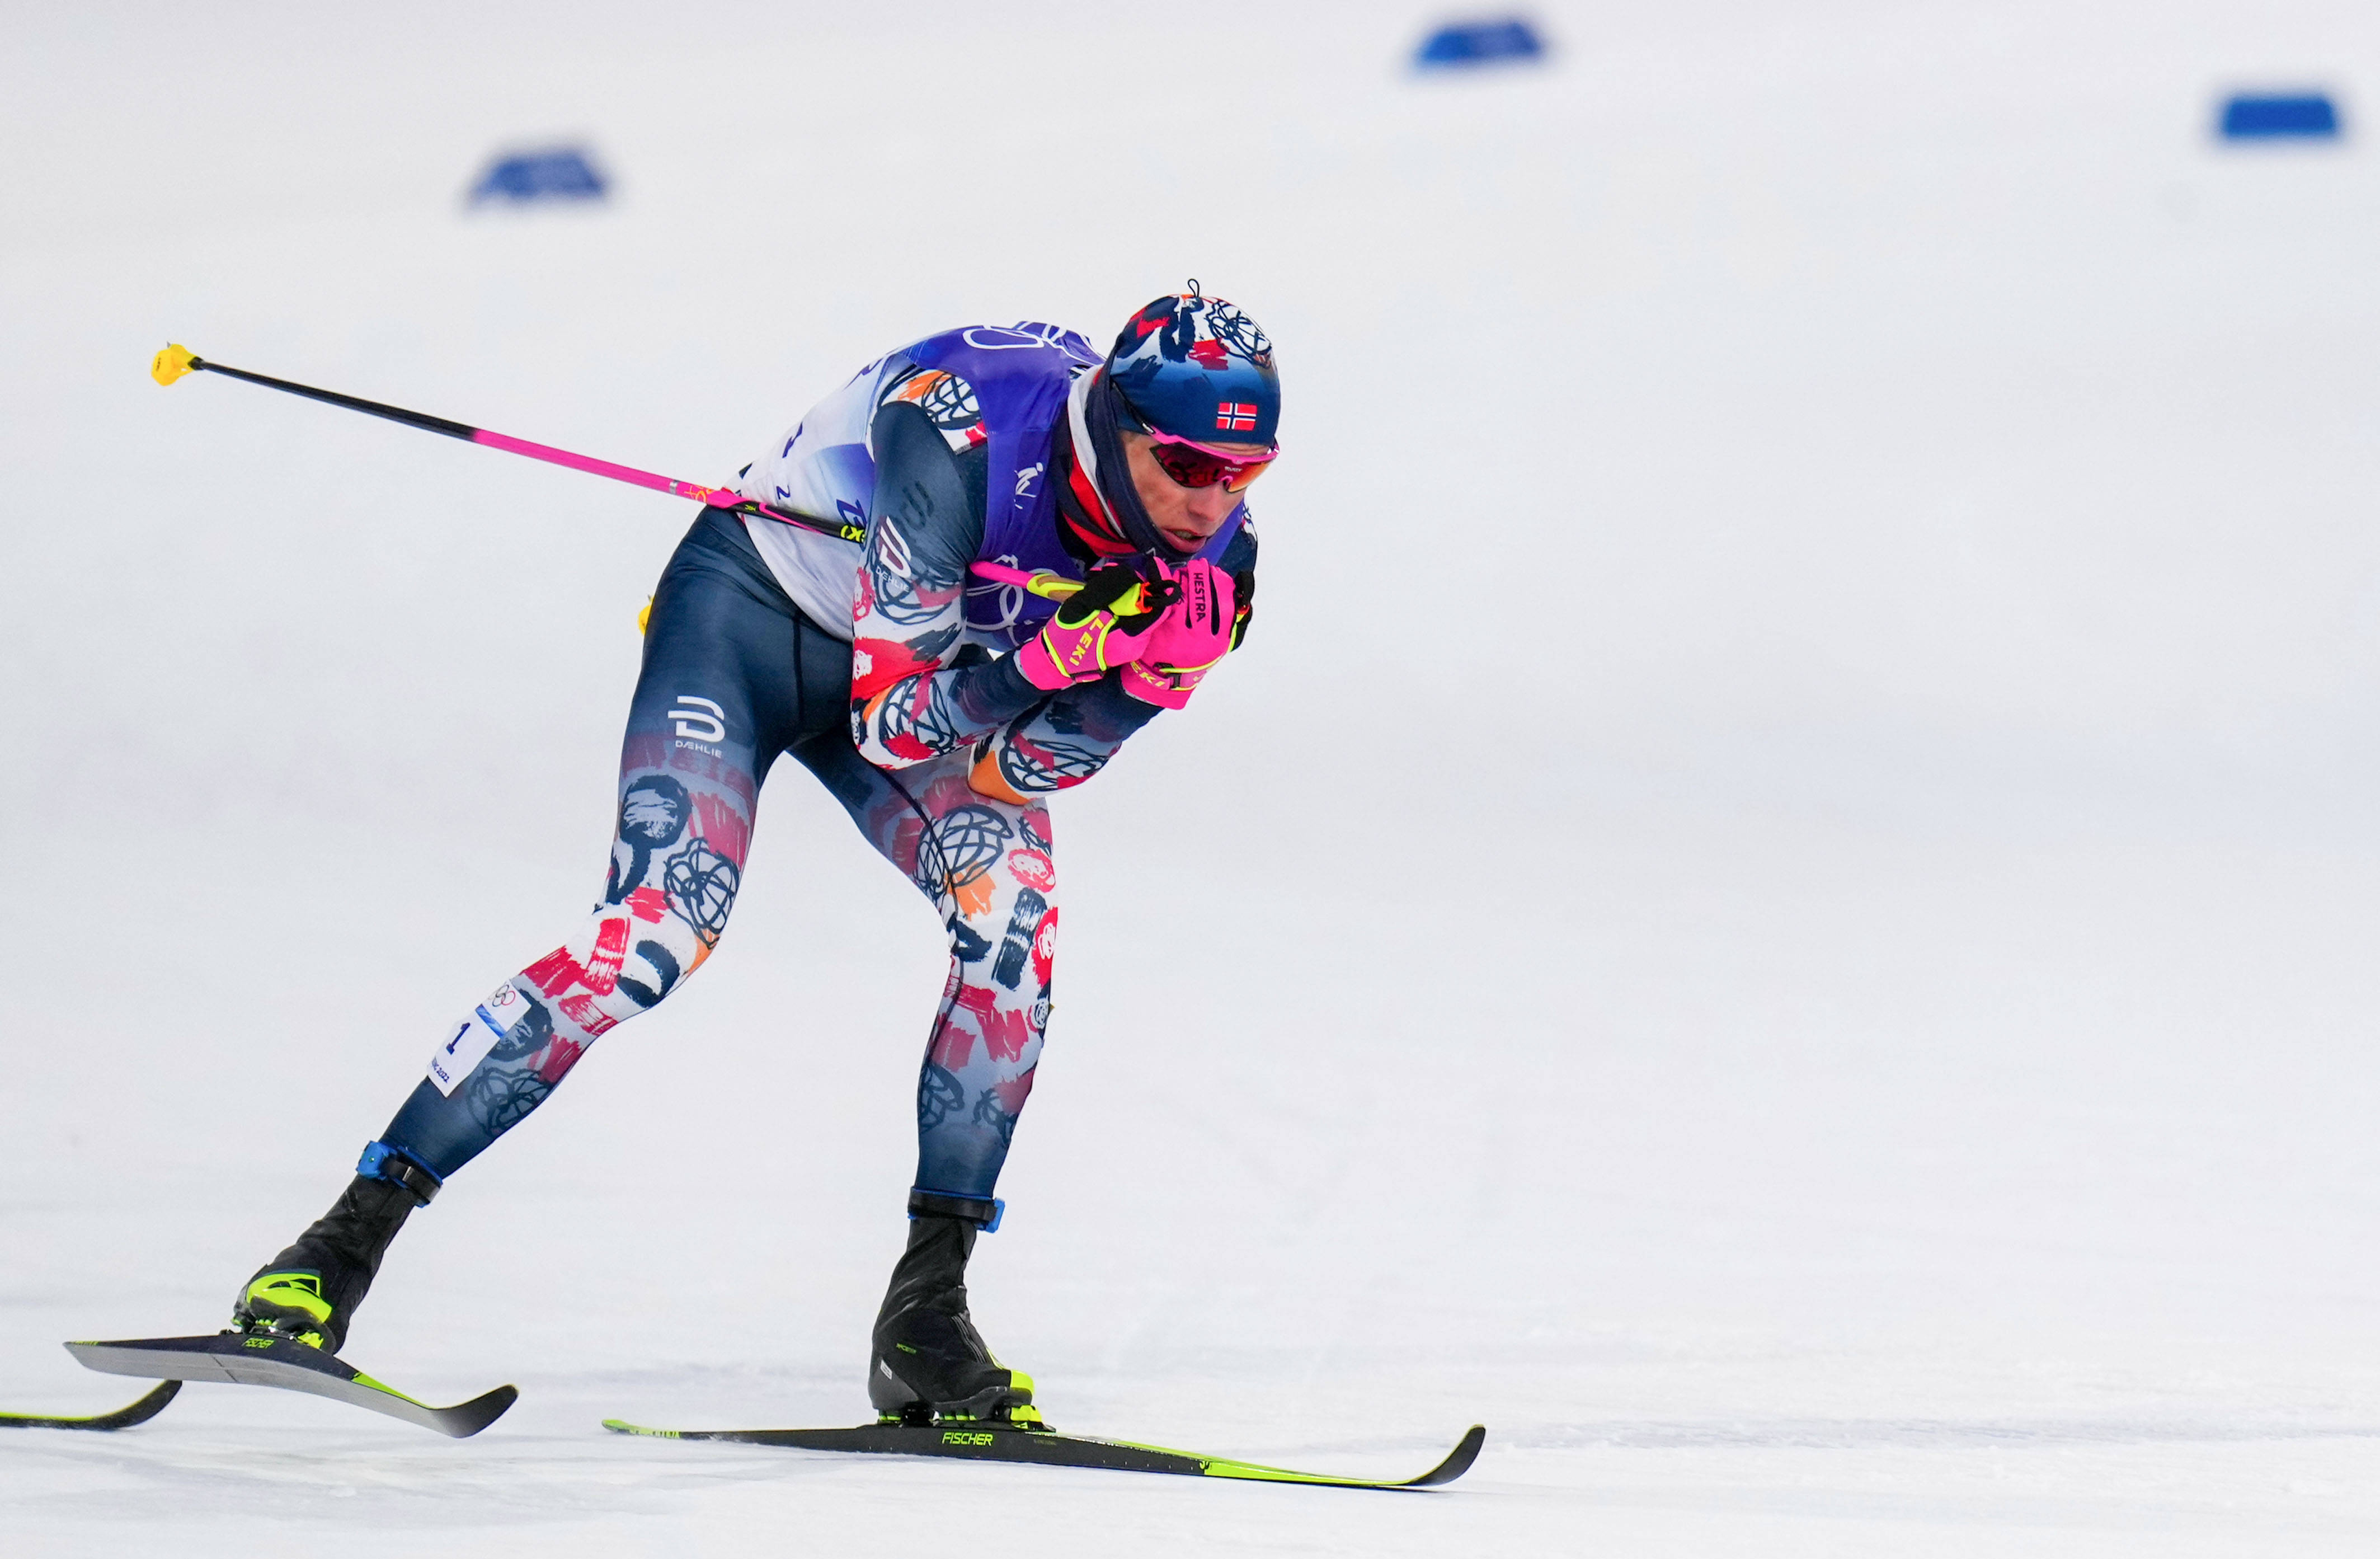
{"x":473,"y":1038}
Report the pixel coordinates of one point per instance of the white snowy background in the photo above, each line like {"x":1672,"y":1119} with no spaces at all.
{"x":1780,"y":907}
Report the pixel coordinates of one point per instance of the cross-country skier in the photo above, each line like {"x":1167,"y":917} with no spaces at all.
{"x":941,"y":709}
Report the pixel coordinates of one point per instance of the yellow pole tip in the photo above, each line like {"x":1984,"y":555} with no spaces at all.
{"x":170,"y":364}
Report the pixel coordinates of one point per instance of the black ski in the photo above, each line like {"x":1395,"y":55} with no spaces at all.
{"x":139,"y":1412}
{"x":1050,"y":1449}
{"x":242,"y":1358}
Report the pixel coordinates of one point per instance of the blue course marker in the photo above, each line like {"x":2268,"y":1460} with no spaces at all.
{"x":2279,"y":117}
{"x":561,"y":174}
{"x":1508,"y":41}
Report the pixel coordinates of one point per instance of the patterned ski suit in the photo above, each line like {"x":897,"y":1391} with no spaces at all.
{"x":883,"y":668}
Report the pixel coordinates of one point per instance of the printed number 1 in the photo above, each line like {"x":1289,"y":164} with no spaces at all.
{"x":458,"y":1037}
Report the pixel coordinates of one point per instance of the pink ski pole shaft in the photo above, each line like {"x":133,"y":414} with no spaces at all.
{"x":174,"y":362}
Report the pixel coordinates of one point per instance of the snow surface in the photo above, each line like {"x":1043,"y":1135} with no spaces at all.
{"x":1780,"y":907}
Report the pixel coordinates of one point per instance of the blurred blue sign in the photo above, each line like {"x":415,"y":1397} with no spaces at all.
{"x":2280,"y":116}
{"x":561,"y":174}
{"x":1459,"y":44}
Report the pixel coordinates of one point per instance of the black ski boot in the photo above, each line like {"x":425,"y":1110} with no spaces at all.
{"x":310,"y":1291}
{"x":928,"y":1361}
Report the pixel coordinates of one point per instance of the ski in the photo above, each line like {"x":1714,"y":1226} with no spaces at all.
{"x":248,"y":1359}
{"x":1048,"y":1448}
{"x":139,"y":1412}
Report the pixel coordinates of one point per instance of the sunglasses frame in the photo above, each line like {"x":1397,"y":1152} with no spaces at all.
{"x":1237,"y":468}
{"x":1237,"y":472}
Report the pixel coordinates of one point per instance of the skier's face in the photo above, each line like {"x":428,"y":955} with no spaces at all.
{"x":1188,"y":515}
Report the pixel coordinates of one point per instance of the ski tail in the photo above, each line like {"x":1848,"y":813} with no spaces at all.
{"x":139,"y":1412}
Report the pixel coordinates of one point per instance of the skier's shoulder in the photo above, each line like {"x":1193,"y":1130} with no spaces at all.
{"x":1027,"y":347}
{"x":977,"y":380}
{"x":1008,"y":371}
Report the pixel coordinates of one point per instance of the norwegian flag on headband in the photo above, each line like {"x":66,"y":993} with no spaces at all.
{"x":1235,"y":416}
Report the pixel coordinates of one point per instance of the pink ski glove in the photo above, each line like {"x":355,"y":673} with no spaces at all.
{"x":1195,"y":633}
{"x":1105,"y":625}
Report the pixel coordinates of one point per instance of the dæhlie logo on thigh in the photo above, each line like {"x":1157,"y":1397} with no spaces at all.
{"x":699,"y":720}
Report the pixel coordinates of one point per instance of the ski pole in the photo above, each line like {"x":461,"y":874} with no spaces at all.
{"x":177,"y":360}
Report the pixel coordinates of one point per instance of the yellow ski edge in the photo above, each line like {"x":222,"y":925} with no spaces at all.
{"x":622,"y":1426}
{"x":386,"y":1390}
{"x":1224,"y":1467}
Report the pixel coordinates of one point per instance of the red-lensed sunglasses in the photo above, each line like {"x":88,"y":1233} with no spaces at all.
{"x":1192,"y":464}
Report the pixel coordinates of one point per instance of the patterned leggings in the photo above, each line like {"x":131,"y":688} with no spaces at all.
{"x":734,"y":674}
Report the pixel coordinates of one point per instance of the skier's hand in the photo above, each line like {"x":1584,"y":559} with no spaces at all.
{"x":1105,"y":625}
{"x":1197,"y":632}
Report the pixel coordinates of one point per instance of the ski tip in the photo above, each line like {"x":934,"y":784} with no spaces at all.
{"x":147,"y":1407}
{"x":468,"y":1418}
{"x":139,"y":1412}
{"x":622,"y":1426}
{"x":1458,"y":1461}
